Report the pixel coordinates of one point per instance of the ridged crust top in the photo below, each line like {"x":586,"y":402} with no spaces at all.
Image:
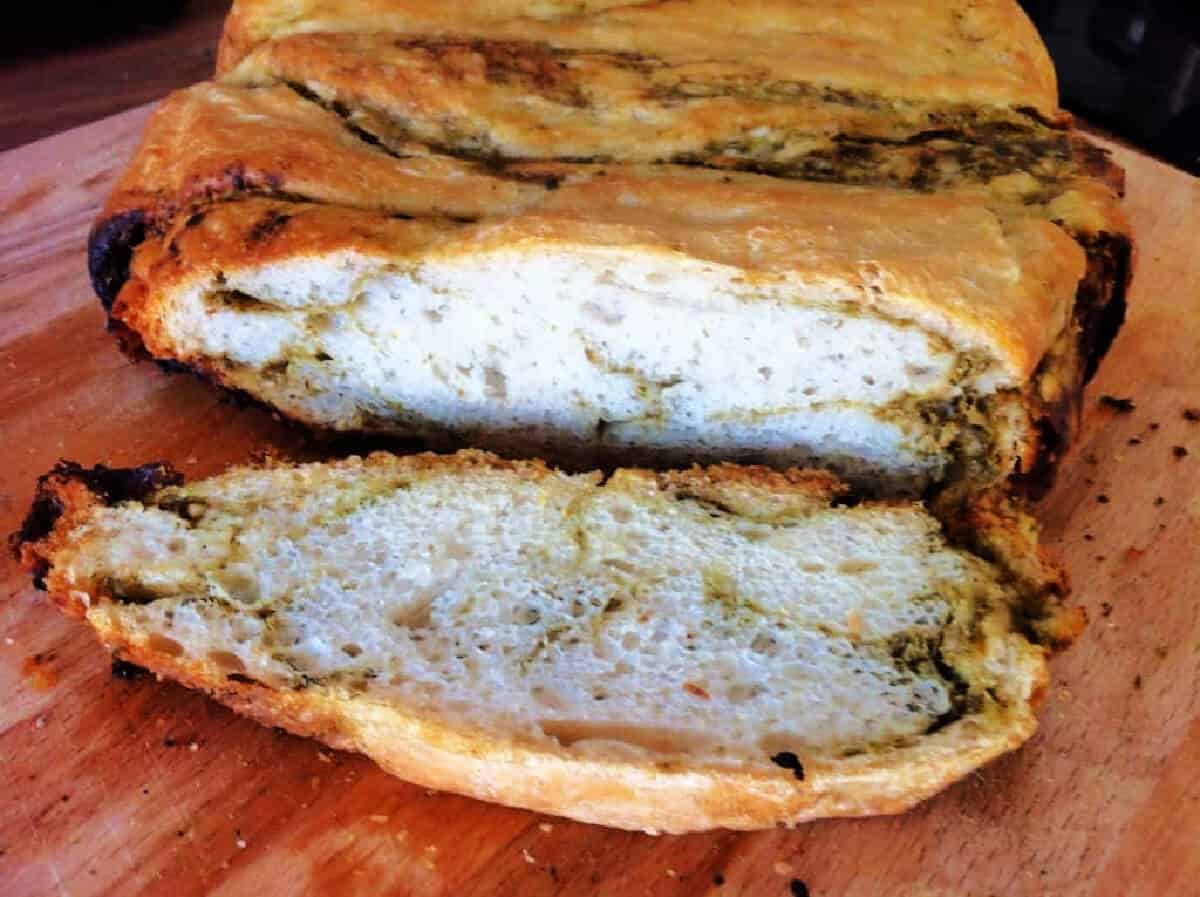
{"x":983,"y":53}
{"x":1002,"y":286}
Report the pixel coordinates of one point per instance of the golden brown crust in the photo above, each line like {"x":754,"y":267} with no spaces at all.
{"x":984,"y":53}
{"x":616,"y":792}
{"x":524,"y":99}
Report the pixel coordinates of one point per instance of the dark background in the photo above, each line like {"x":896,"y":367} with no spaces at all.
{"x":1130,"y":68}
{"x":1133,"y":68}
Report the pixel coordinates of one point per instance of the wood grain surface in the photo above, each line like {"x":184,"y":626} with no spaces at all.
{"x":110,"y":786}
{"x":65,"y":66}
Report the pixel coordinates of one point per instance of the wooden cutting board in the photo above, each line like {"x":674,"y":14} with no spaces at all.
{"x":123,"y":787}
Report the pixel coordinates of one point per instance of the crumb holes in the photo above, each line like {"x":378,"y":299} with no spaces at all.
{"x":741,"y":691}
{"x":856,"y":566}
{"x":765,"y":644}
{"x":601,"y":314}
{"x":765,"y":372}
{"x":812,"y":568}
{"x":630,"y":641}
{"x":809,"y":391}
{"x":868,"y":379}
{"x":621,"y":513}
{"x":164,"y":645}
{"x":433,"y":315}
{"x":527,"y":616}
{"x":495,"y":384}
{"x":351,"y":650}
{"x":578,"y":608}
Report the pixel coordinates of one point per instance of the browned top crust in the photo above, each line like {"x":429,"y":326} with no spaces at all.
{"x":978,"y":53}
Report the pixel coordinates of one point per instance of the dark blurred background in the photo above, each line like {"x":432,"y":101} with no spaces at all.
{"x":1133,"y":68}
{"x":1129,"y":68}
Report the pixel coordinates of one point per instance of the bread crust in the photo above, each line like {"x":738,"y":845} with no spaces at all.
{"x":660,"y":797}
{"x":984,"y":53}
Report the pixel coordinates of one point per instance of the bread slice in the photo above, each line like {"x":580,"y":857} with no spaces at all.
{"x":722,"y":647}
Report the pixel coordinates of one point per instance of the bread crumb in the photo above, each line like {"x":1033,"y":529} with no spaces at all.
{"x":193,"y":747}
{"x":546,"y":827}
{"x":782,"y":868}
{"x":528,"y":856}
{"x":671,"y":873}
{"x":9,"y":641}
{"x":378,"y":817}
{"x":40,"y":722}
{"x":241,"y":843}
{"x":324,"y":757}
{"x":1120,"y":405}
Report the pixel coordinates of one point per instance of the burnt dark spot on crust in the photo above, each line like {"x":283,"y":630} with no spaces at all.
{"x":270,"y":225}
{"x":118,"y":484}
{"x":110,"y":249}
{"x":243,"y":679}
{"x":788,"y":760}
{"x":1100,"y":307}
{"x":130,"y":672}
{"x":112,"y":485}
{"x":1179,"y":452}
{"x":798,"y":888}
{"x":195,"y":218}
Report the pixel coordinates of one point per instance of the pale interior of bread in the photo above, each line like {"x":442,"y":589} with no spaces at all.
{"x":546,"y":346}
{"x":629,"y":619}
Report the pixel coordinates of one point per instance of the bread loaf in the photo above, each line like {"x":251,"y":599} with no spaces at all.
{"x":615,"y":234}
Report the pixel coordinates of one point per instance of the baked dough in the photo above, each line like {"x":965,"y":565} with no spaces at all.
{"x":672,"y":652}
{"x":935,"y":201}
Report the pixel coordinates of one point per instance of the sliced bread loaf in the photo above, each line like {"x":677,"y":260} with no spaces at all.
{"x":721,"y":647}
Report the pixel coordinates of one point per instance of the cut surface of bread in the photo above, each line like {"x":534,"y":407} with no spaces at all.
{"x":591,"y":233}
{"x":897,"y":345}
{"x":720,"y":647}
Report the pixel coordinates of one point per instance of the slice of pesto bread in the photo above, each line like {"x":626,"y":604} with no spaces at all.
{"x":721,"y":647}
